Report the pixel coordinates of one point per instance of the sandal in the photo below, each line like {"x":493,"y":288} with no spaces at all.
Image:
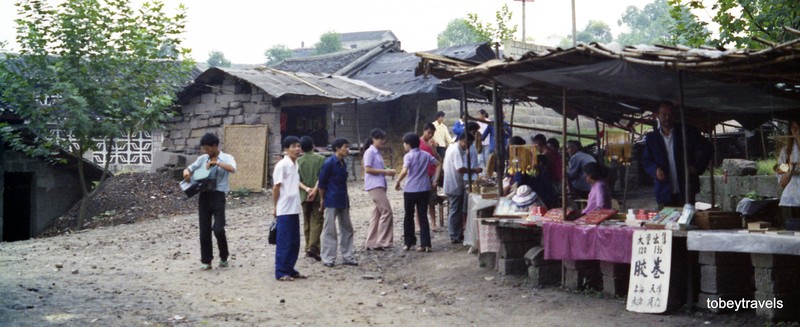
{"x":286,"y":278}
{"x":300,"y":276}
{"x":205,"y":266}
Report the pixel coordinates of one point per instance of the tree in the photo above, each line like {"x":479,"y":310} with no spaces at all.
{"x":278,"y":53}
{"x":94,"y":70}
{"x":595,"y":31}
{"x":742,"y":23}
{"x":503,"y":30}
{"x":329,"y":42}
{"x":458,"y":32}
{"x":654,"y":24}
{"x":217,"y":59}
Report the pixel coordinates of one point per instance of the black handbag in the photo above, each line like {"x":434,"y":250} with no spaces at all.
{"x":273,"y":232}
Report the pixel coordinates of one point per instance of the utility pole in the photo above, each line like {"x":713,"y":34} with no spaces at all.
{"x":574,"y":30}
{"x":523,"y":17}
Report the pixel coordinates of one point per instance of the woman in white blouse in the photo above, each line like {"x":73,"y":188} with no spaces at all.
{"x":788,"y":173}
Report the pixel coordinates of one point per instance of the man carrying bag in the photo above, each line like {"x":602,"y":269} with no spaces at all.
{"x":211,"y":201}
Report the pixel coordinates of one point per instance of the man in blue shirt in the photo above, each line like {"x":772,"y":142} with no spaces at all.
{"x":336,"y":204}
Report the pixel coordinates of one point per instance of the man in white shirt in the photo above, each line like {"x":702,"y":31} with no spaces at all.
{"x":454,"y":169}
{"x":286,"y":194}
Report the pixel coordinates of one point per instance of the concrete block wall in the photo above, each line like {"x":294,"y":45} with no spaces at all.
{"x":55,"y":189}
{"x":524,"y":114}
{"x":729,"y":193}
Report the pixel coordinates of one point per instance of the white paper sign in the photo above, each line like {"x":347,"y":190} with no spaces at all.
{"x":651,"y":259}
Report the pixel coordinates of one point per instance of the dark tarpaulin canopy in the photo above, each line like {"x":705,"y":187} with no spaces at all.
{"x":614,"y":83}
{"x":620,"y":79}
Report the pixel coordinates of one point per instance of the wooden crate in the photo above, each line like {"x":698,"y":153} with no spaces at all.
{"x":717,"y":220}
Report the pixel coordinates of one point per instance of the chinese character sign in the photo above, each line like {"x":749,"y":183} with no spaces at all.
{"x":650,"y":265}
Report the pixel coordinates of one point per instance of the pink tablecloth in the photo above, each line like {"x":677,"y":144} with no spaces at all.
{"x":581,"y":242}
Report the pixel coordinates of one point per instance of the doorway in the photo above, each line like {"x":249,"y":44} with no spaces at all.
{"x":305,"y":121}
{"x":17,"y":205}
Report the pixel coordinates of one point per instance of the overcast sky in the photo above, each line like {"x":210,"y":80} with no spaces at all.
{"x":244,"y":29}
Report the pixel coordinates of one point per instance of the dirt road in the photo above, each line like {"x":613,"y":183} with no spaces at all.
{"x":146,"y":274}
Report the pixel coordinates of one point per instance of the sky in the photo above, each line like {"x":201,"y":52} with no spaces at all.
{"x":244,"y":29}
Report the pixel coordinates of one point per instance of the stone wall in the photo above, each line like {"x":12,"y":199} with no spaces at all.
{"x":729,"y":194}
{"x":231,"y":103}
{"x":55,"y":189}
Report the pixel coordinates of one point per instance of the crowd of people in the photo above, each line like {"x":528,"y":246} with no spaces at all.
{"x":308,"y":184}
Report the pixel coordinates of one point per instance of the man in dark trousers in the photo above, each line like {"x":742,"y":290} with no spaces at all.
{"x":212,"y":203}
{"x":663,"y":158}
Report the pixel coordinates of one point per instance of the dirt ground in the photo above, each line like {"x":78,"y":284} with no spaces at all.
{"x":147,"y":274}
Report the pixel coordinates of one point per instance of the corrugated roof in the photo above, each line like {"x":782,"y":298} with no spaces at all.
{"x":363,"y":36}
{"x":281,"y":84}
{"x":395,"y":71}
{"x":334,"y":63}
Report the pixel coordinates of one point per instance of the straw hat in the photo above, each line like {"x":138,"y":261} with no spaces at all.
{"x":524,"y":197}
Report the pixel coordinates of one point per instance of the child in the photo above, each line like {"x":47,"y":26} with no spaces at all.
{"x":599,"y":196}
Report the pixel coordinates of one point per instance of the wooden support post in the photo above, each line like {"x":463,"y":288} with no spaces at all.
{"x":564,"y":154}
{"x":687,"y":188}
{"x":746,"y":146}
{"x":514,"y":108}
{"x":498,"y":138}
{"x":465,"y":110}
{"x":763,"y":142}
{"x":711,"y":171}
{"x":358,"y":135}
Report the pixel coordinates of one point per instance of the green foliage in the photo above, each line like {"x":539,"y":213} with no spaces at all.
{"x":740,"y":21}
{"x":595,"y":31}
{"x":501,"y":31}
{"x":655,"y":24}
{"x":93,"y":69}
{"x":278,"y":53}
{"x":241,"y":192}
{"x":329,"y":42}
{"x":217,"y":59}
{"x":766,"y":167}
{"x":458,"y":32}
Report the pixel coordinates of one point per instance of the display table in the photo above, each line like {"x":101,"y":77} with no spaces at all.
{"x":757,"y":266}
{"x":476,"y":203}
{"x":583,"y":242}
{"x":735,"y":241}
